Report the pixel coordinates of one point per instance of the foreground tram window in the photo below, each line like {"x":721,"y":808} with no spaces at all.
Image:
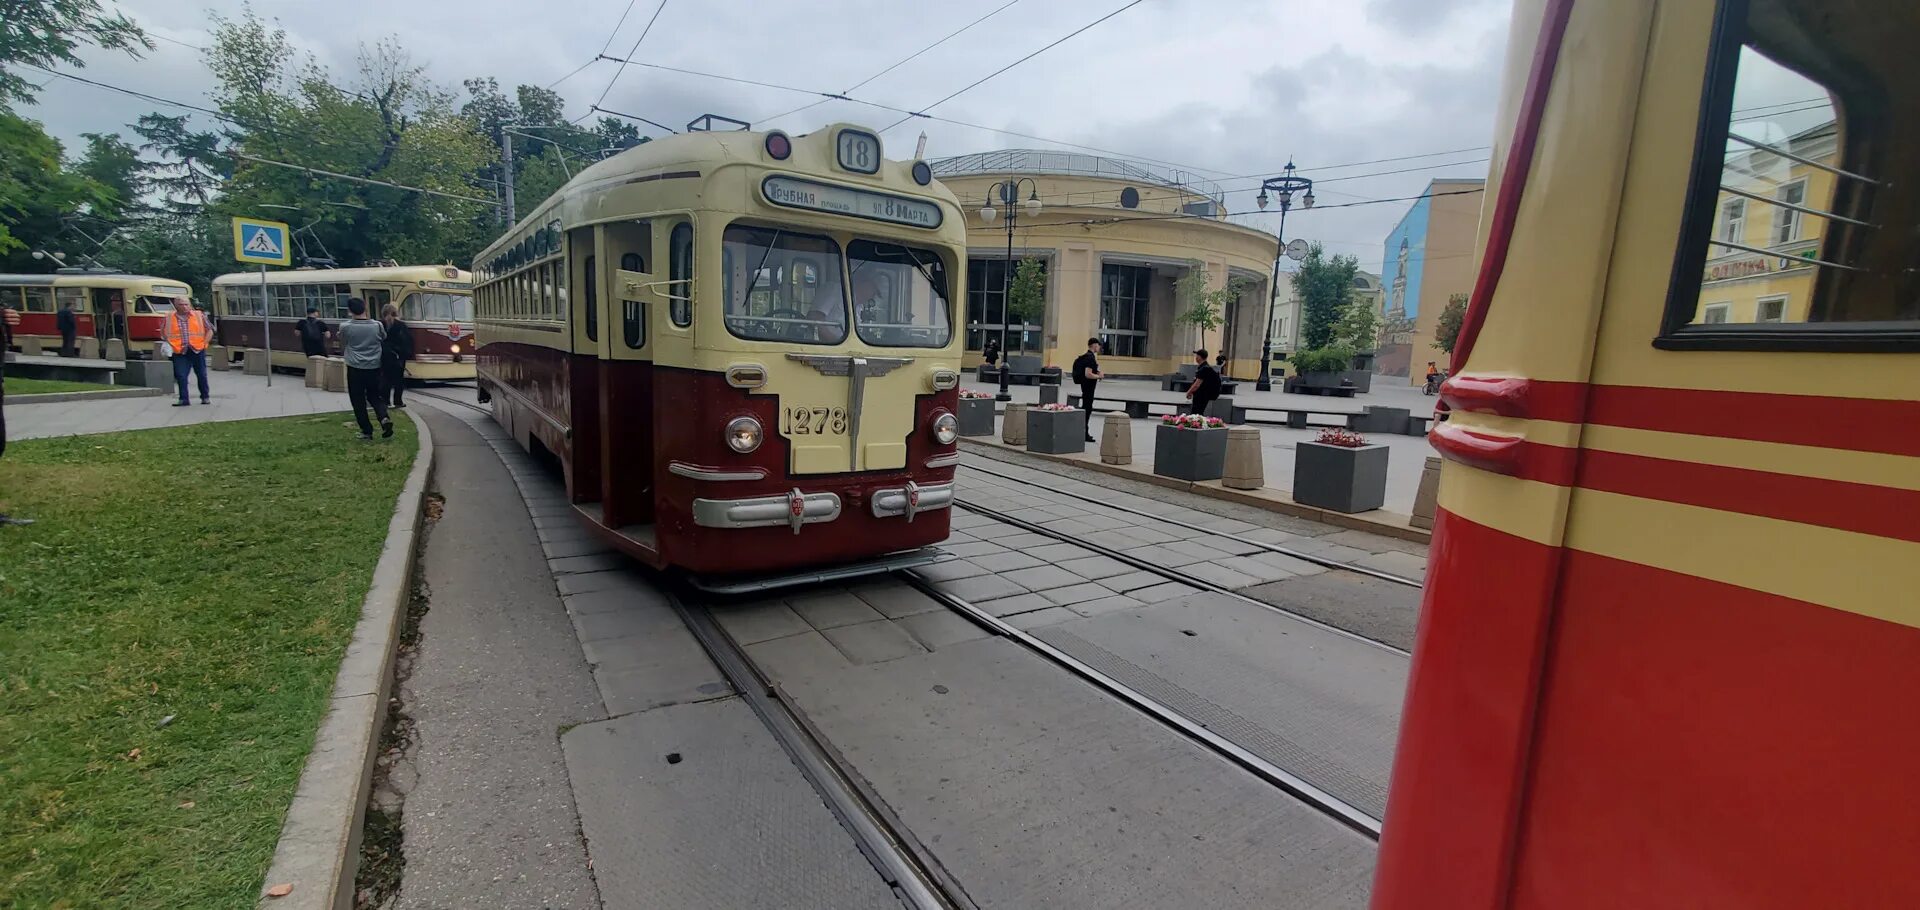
{"x":899,"y":295}
{"x":783,"y":286}
{"x":1792,"y":238}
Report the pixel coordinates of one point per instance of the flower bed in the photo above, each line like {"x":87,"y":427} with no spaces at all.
{"x":1056,"y":429}
{"x":1340,"y":471}
{"x":1190,"y":447}
{"x":1192,"y":422}
{"x":975,"y":412}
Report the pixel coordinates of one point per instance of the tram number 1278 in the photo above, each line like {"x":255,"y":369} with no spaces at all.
{"x":814,"y":421}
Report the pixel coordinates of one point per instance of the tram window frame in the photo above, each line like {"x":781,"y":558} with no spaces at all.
{"x":820,"y":253}
{"x":590,"y":298}
{"x":1860,"y":109}
{"x":938,"y":287}
{"x":680,"y":275}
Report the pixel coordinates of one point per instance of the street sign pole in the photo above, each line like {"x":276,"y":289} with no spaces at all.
{"x":266,"y":325}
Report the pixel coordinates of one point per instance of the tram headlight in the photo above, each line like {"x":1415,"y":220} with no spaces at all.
{"x":456,"y":349}
{"x":743,"y":434}
{"x":946,"y":428}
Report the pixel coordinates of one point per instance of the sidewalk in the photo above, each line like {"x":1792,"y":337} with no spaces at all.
{"x":235,"y":397}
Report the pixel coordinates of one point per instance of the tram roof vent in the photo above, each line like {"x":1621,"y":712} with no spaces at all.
{"x":705,"y":123}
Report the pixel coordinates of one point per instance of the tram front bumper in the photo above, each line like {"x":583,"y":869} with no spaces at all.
{"x":911,"y":499}
{"x":792,"y":508}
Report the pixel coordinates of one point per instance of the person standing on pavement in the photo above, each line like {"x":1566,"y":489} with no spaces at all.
{"x":8,"y":319}
{"x":313,"y":334}
{"x":363,"y":342}
{"x":397,"y":350}
{"x":1206,"y":384}
{"x":187,"y":332}
{"x":1086,"y":372}
{"x":68,"y":321}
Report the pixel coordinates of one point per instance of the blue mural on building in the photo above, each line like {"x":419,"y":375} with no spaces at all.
{"x":1400,"y":269}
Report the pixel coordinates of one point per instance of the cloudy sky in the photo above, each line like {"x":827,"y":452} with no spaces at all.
{"x":1224,"y":88}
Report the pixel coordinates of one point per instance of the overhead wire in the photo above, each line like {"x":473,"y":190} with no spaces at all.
{"x":983,"y":79}
{"x":630,"y":52}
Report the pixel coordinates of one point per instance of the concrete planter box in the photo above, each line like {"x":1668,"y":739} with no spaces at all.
{"x":1189,"y":454}
{"x":1049,"y":392}
{"x":1378,"y":419}
{"x":975,"y":416}
{"x":1340,"y":479}
{"x":1056,"y":432}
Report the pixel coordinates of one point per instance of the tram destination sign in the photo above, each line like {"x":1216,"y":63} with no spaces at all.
{"x":795,"y":193}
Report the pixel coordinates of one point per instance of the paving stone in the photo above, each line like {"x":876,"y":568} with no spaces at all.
{"x":1073,"y":594}
{"x":1273,"y":536}
{"x":763,"y":621}
{"x":610,"y":580}
{"x":951,"y":570}
{"x":973,"y":548}
{"x":1078,"y":527}
{"x":1253,"y":567}
{"x":1096,"y":567}
{"x":994,"y":530}
{"x":1291,"y":564}
{"x":829,"y":609}
{"x":683,"y":676}
{"x":1160,"y":592}
{"x":609,"y":601}
{"x":1112,"y":604}
{"x":1025,"y":540}
{"x":1006,"y":562}
{"x":1051,"y":616}
{"x":1056,"y":552}
{"x":895,"y":600}
{"x":1040,"y":578}
{"x":1160,"y":534}
{"x":594,"y":562}
{"x":1018,"y":603}
{"x":1164,"y":556}
{"x":624,"y":623}
{"x":939,"y":629}
{"x":1211,"y":548}
{"x":1375,"y":543}
{"x":1117,"y":539}
{"x":1132,"y":581}
{"x":873,"y":642}
{"x":1224,"y":524}
{"x":576,"y":548}
{"x":1219,"y":575}
{"x":981,"y":587}
{"x":796,"y":657}
{"x":1403,"y":564}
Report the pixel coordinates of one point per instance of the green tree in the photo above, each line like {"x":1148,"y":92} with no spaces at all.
{"x":1447,"y":331}
{"x":186,"y":166}
{"x":1027,"y":297}
{"x":116,"y":168}
{"x":191,"y":248}
{"x":1200,"y":307}
{"x":1325,"y":287}
{"x":48,"y":33}
{"x":1359,"y":326}
{"x":37,"y":193}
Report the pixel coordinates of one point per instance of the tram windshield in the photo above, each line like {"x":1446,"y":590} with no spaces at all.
{"x":782,"y":286}
{"x":899,"y":295}
{"x":426,"y":306}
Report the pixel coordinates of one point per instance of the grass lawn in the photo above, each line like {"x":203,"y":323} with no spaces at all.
{"x":212,"y":574}
{"x":20,"y":386}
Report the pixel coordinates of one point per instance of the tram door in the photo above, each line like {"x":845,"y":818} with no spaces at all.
{"x":583,"y":367}
{"x":626,"y":373}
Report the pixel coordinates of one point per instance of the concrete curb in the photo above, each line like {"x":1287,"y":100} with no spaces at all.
{"x":56,"y":397}
{"x":319,"y":843}
{"x":1379,"y":521}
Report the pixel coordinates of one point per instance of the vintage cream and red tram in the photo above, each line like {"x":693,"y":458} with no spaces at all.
{"x":740,"y":346}
{"x":109,"y":305}
{"x":1669,"y":652}
{"x":436,"y":303}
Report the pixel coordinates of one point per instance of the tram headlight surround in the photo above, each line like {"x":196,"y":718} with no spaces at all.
{"x":945,"y":427}
{"x":744,"y":435}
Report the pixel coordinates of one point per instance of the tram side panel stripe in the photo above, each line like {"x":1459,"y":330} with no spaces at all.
{"x":1693,"y":732}
{"x":1453,"y":804}
{"x":1861,"y":508}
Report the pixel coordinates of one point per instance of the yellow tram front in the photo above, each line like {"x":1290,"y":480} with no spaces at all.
{"x":758,"y":372}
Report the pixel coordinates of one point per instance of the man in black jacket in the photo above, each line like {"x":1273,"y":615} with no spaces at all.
{"x":1086,"y":372}
{"x":1206,"y":384}
{"x":313,"y":334}
{"x":68,"y":321}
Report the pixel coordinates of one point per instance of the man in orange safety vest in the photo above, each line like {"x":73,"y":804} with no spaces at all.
{"x":187,"y":335}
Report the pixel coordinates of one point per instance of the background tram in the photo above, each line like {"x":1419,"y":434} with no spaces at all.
{"x":740,"y":347}
{"x":1670,"y":644}
{"x":112,"y":305}
{"x":436,"y":302}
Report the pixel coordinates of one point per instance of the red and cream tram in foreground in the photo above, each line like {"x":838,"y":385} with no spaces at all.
{"x":1669,"y":653}
{"x":436,"y":303}
{"x":109,"y":305}
{"x":740,"y":346}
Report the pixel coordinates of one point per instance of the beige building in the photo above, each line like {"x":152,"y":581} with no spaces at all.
{"x":1428,"y":261}
{"x":1115,"y":237}
{"x":1286,"y":310}
{"x":1741,"y":284}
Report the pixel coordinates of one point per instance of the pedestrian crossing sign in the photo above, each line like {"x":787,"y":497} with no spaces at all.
{"x":258,"y":242}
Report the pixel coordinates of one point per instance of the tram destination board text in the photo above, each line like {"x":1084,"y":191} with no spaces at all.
{"x":822,"y":197}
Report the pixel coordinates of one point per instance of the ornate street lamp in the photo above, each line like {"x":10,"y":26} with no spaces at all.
{"x":1009,"y":193}
{"x":1285,"y":185}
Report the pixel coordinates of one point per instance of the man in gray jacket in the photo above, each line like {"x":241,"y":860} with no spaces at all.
{"x":362,"y":341}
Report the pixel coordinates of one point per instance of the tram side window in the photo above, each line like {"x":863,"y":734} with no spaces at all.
{"x":590,"y":297}
{"x":899,"y":295}
{"x":680,"y":274}
{"x":783,"y":286}
{"x":1805,"y":171}
{"x":39,"y":300}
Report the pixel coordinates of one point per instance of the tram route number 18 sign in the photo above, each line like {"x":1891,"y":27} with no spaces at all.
{"x":793,"y":192}
{"x":258,"y":242}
